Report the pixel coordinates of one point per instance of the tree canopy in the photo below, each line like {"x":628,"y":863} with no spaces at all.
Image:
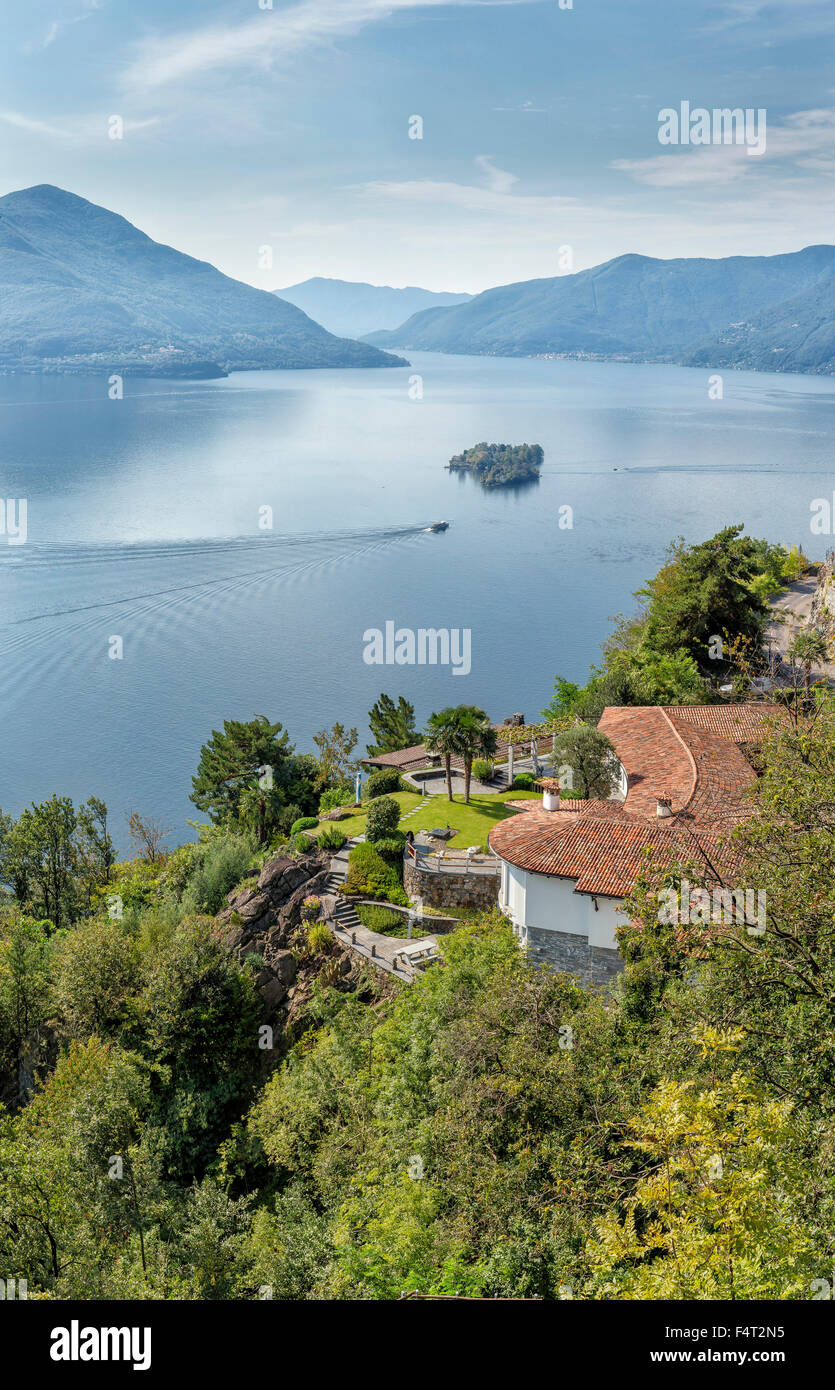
{"x":392,"y":725}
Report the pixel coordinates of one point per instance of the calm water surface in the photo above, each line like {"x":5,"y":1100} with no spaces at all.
{"x":143,"y":523}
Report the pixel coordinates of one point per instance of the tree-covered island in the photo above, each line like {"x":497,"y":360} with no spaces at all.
{"x":497,"y":465}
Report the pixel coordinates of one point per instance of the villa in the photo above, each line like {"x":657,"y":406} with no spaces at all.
{"x":683,"y":780}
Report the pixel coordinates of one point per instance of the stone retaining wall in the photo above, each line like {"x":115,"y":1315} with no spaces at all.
{"x":450,"y":889}
{"x":592,"y":965}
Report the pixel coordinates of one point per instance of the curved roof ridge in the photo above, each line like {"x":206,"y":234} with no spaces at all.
{"x":690,"y":758}
{"x":655,"y":758}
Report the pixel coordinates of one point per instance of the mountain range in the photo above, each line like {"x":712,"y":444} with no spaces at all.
{"x":765,"y":313}
{"x":82,"y":289}
{"x":353,"y":309}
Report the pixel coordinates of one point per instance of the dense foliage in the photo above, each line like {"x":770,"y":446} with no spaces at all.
{"x":384,"y":781}
{"x":496,"y":465}
{"x":392,"y":725}
{"x":495,"y":1129}
{"x":249,"y":775}
{"x":374,"y":872}
{"x":585,"y":762}
{"x":383,"y":818}
{"x":700,"y":623}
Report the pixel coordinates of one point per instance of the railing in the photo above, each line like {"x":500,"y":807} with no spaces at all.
{"x":444,"y":862}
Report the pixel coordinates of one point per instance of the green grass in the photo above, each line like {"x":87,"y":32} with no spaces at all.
{"x":472,"y":822}
{"x":462,"y":914}
{"x":388,"y":923}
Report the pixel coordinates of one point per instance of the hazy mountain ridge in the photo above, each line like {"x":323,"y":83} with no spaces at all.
{"x":355,"y":308}
{"x":81,"y":288}
{"x":732,"y":312}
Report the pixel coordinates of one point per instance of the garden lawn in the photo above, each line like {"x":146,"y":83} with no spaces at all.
{"x":472,"y":822}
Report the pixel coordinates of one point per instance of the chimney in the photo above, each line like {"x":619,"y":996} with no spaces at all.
{"x":664,"y":807}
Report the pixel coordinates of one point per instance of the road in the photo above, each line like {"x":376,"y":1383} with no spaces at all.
{"x":792,"y":610}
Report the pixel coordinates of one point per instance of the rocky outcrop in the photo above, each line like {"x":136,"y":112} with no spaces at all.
{"x":823,"y":601}
{"x":263,"y":918}
{"x":270,"y":911}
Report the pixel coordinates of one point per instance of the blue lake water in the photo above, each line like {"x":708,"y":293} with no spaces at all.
{"x":143,"y":523}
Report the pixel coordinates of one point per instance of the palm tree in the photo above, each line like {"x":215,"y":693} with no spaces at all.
{"x":809,"y":647}
{"x":462,"y":731}
{"x":442,"y":736}
{"x":477,"y":740}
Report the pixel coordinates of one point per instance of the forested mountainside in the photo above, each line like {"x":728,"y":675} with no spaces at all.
{"x":83,"y":289}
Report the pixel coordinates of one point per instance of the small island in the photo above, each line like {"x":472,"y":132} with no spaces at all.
{"x":498,"y":465}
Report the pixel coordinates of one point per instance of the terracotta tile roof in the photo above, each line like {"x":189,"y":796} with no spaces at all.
{"x":705,"y":775}
{"x":741,"y":723}
{"x":603,"y":854}
{"x":654,"y":757}
{"x":416,"y":756}
{"x":602,"y":844}
{"x":723,"y":778}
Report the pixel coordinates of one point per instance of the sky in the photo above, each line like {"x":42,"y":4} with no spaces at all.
{"x":272,"y":137}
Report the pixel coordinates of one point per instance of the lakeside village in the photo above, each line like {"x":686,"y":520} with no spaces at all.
{"x":434,"y":1017}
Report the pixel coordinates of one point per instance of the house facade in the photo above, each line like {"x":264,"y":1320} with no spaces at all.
{"x":683,"y":784}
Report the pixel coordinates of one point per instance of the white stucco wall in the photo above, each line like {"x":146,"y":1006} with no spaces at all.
{"x":622,"y":785}
{"x":550,"y":904}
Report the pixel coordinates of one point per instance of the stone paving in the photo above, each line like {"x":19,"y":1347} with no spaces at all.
{"x":347,"y":928}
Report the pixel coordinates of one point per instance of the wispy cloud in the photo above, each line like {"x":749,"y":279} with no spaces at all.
{"x":498,"y":180}
{"x":710,"y":164}
{"x":774,"y":17}
{"x":527,"y":107}
{"x":806,"y":138}
{"x":14,"y":118}
{"x":495,"y":195}
{"x":58,"y":26}
{"x":83,"y":130}
{"x":272,"y":35}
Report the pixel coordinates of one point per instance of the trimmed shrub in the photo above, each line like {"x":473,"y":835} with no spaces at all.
{"x":383,"y":781}
{"x":334,"y":797}
{"x":371,"y":876}
{"x":302,"y":843}
{"x":482,"y":770}
{"x":304,"y":823}
{"x":392,"y":847}
{"x":311,"y":908}
{"x":523,"y":781}
{"x":383,"y":817}
{"x":331,"y":839}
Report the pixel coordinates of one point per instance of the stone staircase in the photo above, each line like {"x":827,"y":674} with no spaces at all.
{"x":344,"y":915}
{"x":343,"y":919}
{"x":338,"y":867}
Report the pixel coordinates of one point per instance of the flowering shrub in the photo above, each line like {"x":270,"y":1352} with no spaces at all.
{"x":311,"y":908}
